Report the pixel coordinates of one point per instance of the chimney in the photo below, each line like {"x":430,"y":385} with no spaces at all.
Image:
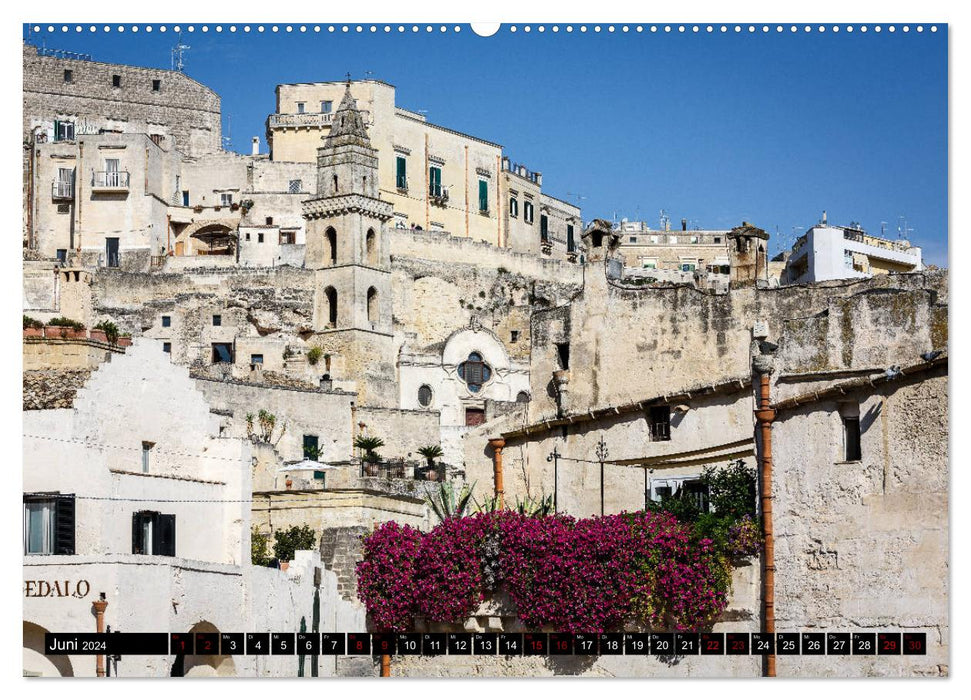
{"x":824,"y":217}
{"x":256,"y":145}
{"x":684,"y":224}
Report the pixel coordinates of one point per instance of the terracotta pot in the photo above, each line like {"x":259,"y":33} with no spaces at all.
{"x":124,"y":342}
{"x":99,"y":335}
{"x":284,"y":565}
{"x":431,"y":475}
{"x":33,"y":332}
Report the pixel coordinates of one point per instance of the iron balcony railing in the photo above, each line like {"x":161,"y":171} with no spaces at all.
{"x":110,"y":179}
{"x":62,"y":189}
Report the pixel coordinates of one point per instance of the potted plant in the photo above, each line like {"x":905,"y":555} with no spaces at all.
{"x":124,"y":340}
{"x":314,"y":354}
{"x":33,"y":328}
{"x":61,"y":327}
{"x":106,"y":332}
{"x":431,"y":453}
{"x":369,"y":443}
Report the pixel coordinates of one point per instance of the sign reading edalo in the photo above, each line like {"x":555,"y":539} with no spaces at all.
{"x":56,"y":589}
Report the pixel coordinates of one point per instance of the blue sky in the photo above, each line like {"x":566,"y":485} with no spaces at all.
{"x":716,"y":128}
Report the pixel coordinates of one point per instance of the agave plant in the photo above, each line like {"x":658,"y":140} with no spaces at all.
{"x":431,"y":453}
{"x":446,"y":504}
{"x":535,"y":508}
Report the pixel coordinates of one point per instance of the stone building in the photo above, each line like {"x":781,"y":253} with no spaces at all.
{"x":151,"y":524}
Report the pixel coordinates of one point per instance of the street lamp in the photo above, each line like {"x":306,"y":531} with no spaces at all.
{"x":602,"y":456}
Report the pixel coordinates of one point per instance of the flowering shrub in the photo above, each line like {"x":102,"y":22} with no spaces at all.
{"x":588,"y":575}
{"x":744,"y":537}
{"x":386,"y":576}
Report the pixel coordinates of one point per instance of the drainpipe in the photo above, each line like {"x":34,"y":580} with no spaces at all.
{"x":765,"y":414}
{"x":497,"y":444}
{"x":385,"y":665}
{"x":99,"y":613}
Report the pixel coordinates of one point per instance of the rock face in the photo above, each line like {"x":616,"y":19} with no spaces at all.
{"x":52,"y":388}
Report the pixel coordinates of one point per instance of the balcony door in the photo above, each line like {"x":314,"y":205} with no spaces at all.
{"x":111,"y":252}
{"x":112,"y":172}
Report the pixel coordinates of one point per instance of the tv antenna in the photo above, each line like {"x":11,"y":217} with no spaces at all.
{"x":903,"y":230}
{"x":579,"y":197}
{"x":883,"y":229}
{"x":228,"y":136}
{"x":368,"y":74}
{"x":178,"y":55}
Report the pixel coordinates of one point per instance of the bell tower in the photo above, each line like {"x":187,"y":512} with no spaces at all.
{"x":348,"y":247}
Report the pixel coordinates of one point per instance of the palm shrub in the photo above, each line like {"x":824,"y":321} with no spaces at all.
{"x":431,"y":453}
{"x":369,"y":444}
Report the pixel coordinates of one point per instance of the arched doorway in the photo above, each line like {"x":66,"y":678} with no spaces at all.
{"x":36,"y":663}
{"x":330,"y":296}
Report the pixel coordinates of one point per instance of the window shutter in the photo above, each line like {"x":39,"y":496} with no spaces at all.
{"x":165,"y":536}
{"x":64,"y":525}
{"x":136,"y":531}
{"x":483,"y":195}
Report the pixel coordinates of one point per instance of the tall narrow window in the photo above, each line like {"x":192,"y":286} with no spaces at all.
{"x":513,"y":207}
{"x":435,"y":181}
{"x":371,"y":247}
{"x":326,"y":106}
{"x":300,"y":107}
{"x":331,"y":295}
{"x":185,"y":198}
{"x":563,"y":355}
{"x":332,"y":245}
{"x":147,"y":456}
{"x":401,"y":173}
{"x":483,"y":197}
{"x":851,"y":439}
{"x":544,"y":227}
{"x":116,"y":81}
{"x":311,"y":447}
{"x":372,"y":305}
{"x":571,"y":244}
{"x":68,"y":76}
{"x":156,"y":86}
{"x":528,"y":212}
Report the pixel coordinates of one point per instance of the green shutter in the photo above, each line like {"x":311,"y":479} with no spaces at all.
{"x":435,"y":181}
{"x":402,"y":174}
{"x":483,"y":195}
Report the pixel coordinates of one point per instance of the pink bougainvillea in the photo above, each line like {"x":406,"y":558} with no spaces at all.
{"x":586,"y":575}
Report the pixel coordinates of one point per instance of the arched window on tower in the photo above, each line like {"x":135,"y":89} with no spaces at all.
{"x":331,"y":295}
{"x":335,"y":184}
{"x":371,"y":247}
{"x":372,"y":305}
{"x":332,"y":245}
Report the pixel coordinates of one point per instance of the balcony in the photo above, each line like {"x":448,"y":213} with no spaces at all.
{"x":307,"y":120}
{"x":62,"y":189}
{"x":109,"y":181}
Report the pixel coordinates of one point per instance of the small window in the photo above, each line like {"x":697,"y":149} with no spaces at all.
{"x":226,"y":198}
{"x":522,"y":397}
{"x":295,"y":186}
{"x":153,"y":533}
{"x":269,"y":221}
{"x":185,"y":198}
{"x":63,"y":208}
{"x":528,"y":212}
{"x":49,"y":524}
{"x":633,"y":239}
{"x":424,"y":396}
{"x":247,"y":235}
{"x":68,"y":76}
{"x":259,"y":237}
{"x":563,"y":355}
{"x":147,"y":456}
{"x":326,"y":107}
{"x":166,"y":321}
{"x":514,"y":336}
{"x":288,"y":237}
{"x":116,"y":81}
{"x":222,"y":352}
{"x":660,"y":423}
{"x":156,"y":86}
{"x":513,"y":207}
{"x":718,"y":239}
{"x":167,"y":347}
{"x":63,"y":131}
{"x":311,"y":447}
{"x":62,"y":255}
{"x":300,"y":107}
{"x":256,"y":359}
{"x":217,"y":320}
{"x":851,"y":439}
{"x":544,"y":227}
{"x":571,"y":244}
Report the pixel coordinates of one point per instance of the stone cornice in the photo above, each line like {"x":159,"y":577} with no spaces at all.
{"x":338,"y":205}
